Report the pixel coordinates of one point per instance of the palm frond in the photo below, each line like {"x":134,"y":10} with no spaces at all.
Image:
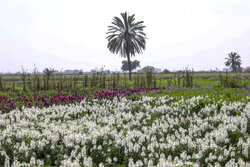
{"x":233,"y":60}
{"x":126,"y":36}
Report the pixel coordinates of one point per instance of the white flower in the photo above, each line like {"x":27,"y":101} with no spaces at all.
{"x":176,"y":159}
{"x":245,"y":151}
{"x":7,"y":162}
{"x":217,"y":164}
{"x":109,"y":160}
{"x":169,"y":158}
{"x":131,"y":162}
{"x":220,"y":157}
{"x":232,"y":154}
{"x":150,"y":163}
{"x":33,"y":161}
{"x":101,"y":165}
{"x":46,"y":127}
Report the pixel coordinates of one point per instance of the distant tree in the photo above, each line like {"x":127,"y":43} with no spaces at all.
{"x":80,"y":72}
{"x":147,"y":69}
{"x":126,"y":37}
{"x":48,"y":72}
{"x":134,"y":65}
{"x":166,"y":71}
{"x":107,"y":72}
{"x":233,"y":61}
{"x":76,"y":71}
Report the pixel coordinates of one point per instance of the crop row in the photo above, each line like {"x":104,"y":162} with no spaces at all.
{"x":18,"y":100}
{"x":148,"y":131}
{"x":49,"y":81}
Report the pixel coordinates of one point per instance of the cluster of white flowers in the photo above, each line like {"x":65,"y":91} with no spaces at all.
{"x":153,"y":131}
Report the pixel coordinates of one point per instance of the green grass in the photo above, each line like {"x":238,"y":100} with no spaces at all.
{"x":199,"y":80}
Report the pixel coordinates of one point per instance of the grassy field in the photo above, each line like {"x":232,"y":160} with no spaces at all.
{"x":212,"y":75}
{"x":100,"y":80}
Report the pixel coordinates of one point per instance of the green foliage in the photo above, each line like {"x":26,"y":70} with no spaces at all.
{"x":23,"y":77}
{"x":188,"y":78}
{"x":134,"y":64}
{"x":48,"y":73}
{"x":166,"y":71}
{"x":147,"y":69}
{"x":232,"y":81}
{"x":1,"y":84}
{"x":97,"y":80}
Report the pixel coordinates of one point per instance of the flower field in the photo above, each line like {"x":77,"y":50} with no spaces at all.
{"x":192,"y":127}
{"x":13,"y":100}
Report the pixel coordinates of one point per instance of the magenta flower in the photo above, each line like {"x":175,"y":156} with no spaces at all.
{"x":185,"y":122}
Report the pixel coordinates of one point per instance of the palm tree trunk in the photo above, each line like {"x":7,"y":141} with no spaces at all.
{"x":129,"y":66}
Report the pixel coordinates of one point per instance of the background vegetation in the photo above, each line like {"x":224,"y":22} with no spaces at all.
{"x":34,"y":82}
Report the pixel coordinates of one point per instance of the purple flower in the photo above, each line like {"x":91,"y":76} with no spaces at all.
{"x":185,"y":122}
{"x":196,"y":147}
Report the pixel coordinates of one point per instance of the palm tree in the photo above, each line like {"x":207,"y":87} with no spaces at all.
{"x":126,"y":37}
{"x":233,"y":60}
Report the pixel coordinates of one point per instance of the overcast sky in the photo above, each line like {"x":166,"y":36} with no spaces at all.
{"x":72,"y":34}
